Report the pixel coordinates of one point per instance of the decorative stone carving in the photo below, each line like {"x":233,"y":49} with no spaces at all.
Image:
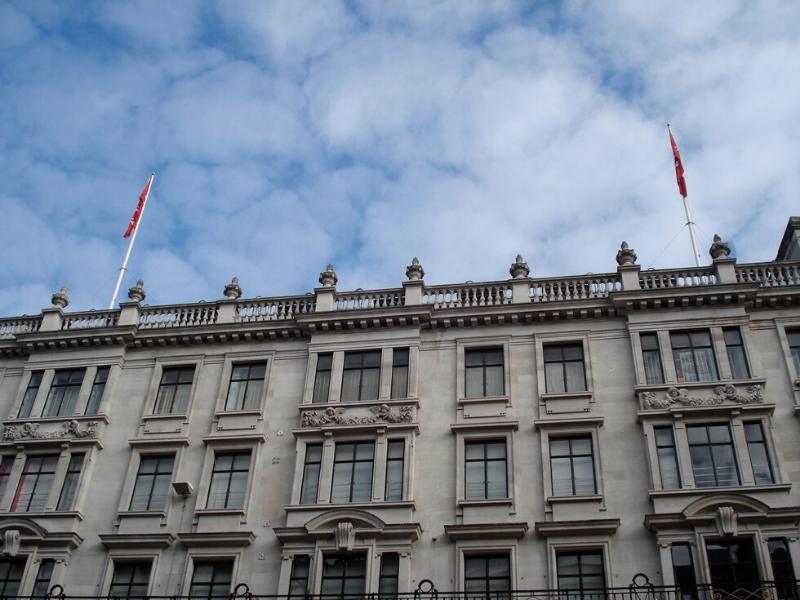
{"x":338,"y":416}
{"x":519,"y":268}
{"x":414,"y":271}
{"x":722,"y":393}
{"x":11,"y":542}
{"x":136,"y":293}
{"x":60,"y":298}
{"x":345,"y":535}
{"x":727,"y":521}
{"x":232,"y":290}
{"x":719,"y":249}
{"x":328,"y":277}
{"x":31,"y":431}
{"x":626,"y":255}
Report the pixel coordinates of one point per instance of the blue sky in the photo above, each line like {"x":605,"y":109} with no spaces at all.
{"x":289,"y":134}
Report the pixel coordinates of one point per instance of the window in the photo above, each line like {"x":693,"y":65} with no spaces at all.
{"x":667,"y":458}
{"x":581,"y":573}
{"x":759,"y":455}
{"x":693,"y":356}
{"x":564,"y":369}
{"x":683,"y":570}
{"x":486,"y":576}
{"x":151,"y":490}
{"x":70,"y":487}
{"x":389,"y":575}
{"x":793,"y":338}
{"x":41,"y":584}
{"x":400,"y":373}
{"x":361,"y":376}
{"x":713,"y":456}
{"x":352,"y":472}
{"x":229,"y":480}
{"x":782,"y":569}
{"x":322,"y":378}
{"x":6,"y":464}
{"x":63,"y":394}
{"x":30,"y":394}
{"x":10,"y":576}
{"x":572,"y":466}
{"x":35,"y":484}
{"x":732,"y":564}
{"x":484,"y":372}
{"x":174,"y":390}
{"x":310,"y":488}
{"x":98,"y":387}
{"x":395,"y":453}
{"x":247,"y":385}
{"x":343,"y":575}
{"x":485,"y":470}
{"x":211,"y":579}
{"x":130,"y":580}
{"x":298,"y":580}
{"x":736,"y":356}
{"x":651,"y":356}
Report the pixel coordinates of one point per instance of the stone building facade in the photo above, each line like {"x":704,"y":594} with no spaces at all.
{"x":526,"y":434}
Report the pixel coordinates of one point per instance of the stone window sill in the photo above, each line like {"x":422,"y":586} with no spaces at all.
{"x":249,"y":412}
{"x":565,"y":395}
{"x":482,"y":399}
{"x":142,"y":513}
{"x":486,"y":502}
{"x":49,"y":514}
{"x":567,"y":499}
{"x":218,"y":511}
{"x":332,"y":505}
{"x":165,"y":417}
{"x":772,"y":487}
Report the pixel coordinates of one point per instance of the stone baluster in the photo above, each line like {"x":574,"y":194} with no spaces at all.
{"x":227,"y":307}
{"x":724,"y":263}
{"x":520,"y":281}
{"x":129,"y":311}
{"x":627,"y":268}
{"x":326,"y":295}
{"x":53,"y":318}
{"x":414,"y":285}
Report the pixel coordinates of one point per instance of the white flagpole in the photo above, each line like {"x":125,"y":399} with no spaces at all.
{"x":690,"y":225}
{"x":124,"y":266}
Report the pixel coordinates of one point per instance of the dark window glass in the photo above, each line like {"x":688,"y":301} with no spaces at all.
{"x":651,"y":356}
{"x":63,"y":394}
{"x":344,"y":575}
{"x":793,"y":338}
{"x":389,"y":576}
{"x":400,"y":373}
{"x":71,"y":479}
{"x":485,"y":470}
{"x":572,"y":466}
{"x":361,"y":376}
{"x":581,"y":573}
{"x":246,"y":387}
{"x":311,"y":469}
{"x":98,"y":387}
{"x":736,"y":356}
{"x":782,"y":569}
{"x":6,"y":464}
{"x":352,"y":472}
{"x":713,"y":455}
{"x":667,"y":458}
{"x":484,"y":372}
{"x":486,"y":576}
{"x":34,"y":383}
{"x":694,"y":356}
{"x":683,"y":569}
{"x":41,"y":584}
{"x":10,"y":576}
{"x":130,"y":580}
{"x":153,"y":479}
{"x":564,"y":368}
{"x":732,"y":565}
{"x":759,"y":455}
{"x":211,"y":579}
{"x":35,"y":484}
{"x":395,"y":454}
{"x":229,"y":480}
{"x":298,"y":580}
{"x":174,"y":390}
{"x":322,"y":378}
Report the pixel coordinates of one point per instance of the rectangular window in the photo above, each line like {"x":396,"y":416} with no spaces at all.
{"x":782,"y":569}
{"x":228,"y":486}
{"x":30,"y":394}
{"x":211,"y":579}
{"x":35,"y":484}
{"x":352,"y":472}
{"x":793,"y":338}
{"x":63,"y":394}
{"x":361,"y":376}
{"x":98,"y":387}
{"x":395,"y":454}
{"x":683,"y":570}
{"x":322,"y":378}
{"x":311,"y":469}
{"x":667,"y":458}
{"x":174,"y":391}
{"x":344,"y":576}
{"x":713,"y":455}
{"x":298,"y":580}
{"x":130,"y":580}
{"x":651,"y":356}
{"x":70,"y":487}
{"x":400,"y":373}
{"x":246,"y":387}
{"x":759,"y":455}
{"x":153,"y":479}
{"x":485,"y":471}
{"x":564,"y":369}
{"x":6,"y":464}
{"x":484,"y":372}
{"x":487,"y":575}
{"x":736,"y":356}
{"x":389,"y":575}
{"x":693,"y":355}
{"x":41,"y":584}
{"x":581,"y":573}
{"x":10,"y":576}
{"x":572,"y":466}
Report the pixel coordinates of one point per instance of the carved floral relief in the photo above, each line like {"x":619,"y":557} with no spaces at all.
{"x":32,"y":431}
{"x":681,"y":396}
{"x":339,"y":416}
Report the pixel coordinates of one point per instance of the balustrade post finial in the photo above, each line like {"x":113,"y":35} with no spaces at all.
{"x":136,"y":293}
{"x":232,"y":290}
{"x":519,"y":268}
{"x":328,"y":277}
{"x":626,"y":255}
{"x":719,"y":249}
{"x":414,"y":271}
{"x":60,"y":299}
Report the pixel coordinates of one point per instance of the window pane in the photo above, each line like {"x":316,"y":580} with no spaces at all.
{"x":475,"y":483}
{"x":181,"y":401}
{"x":562,"y":476}
{"x":649,"y":341}
{"x":584,"y":475}
{"x":362,"y":482}
{"x":350,"y":385}
{"x":668,"y":465}
{"x":494,"y":381}
{"x":725,"y":465}
{"x":496,"y":479}
{"x":236,"y":395}
{"x":706,"y":366}
{"x":342,"y":476}
{"x":370,"y":381}
{"x":400,"y":382}
{"x":252,"y":399}
{"x":554,"y":378}
{"x":474,"y":382}
{"x":322,"y":386}
{"x":702,"y":467}
{"x":738,"y":362}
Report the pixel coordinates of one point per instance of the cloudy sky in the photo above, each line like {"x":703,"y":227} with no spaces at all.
{"x":286,"y":135}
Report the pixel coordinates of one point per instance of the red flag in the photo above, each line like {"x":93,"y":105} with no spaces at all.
{"x":139,"y":207}
{"x":678,"y":164}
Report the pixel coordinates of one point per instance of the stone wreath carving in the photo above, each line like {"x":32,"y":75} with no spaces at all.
{"x":31,"y":431}
{"x":337,"y":416}
{"x":722,"y":393}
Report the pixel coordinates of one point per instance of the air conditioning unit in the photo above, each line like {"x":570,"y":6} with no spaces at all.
{"x":182,"y":488}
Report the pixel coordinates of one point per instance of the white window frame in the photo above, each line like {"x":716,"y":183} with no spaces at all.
{"x":122,"y":556}
{"x":480,"y":343}
{"x":213,"y":447}
{"x":232,"y":359}
{"x":155,"y":381}
{"x":211,"y":555}
{"x":554,"y":546}
{"x":466,"y":548}
{"x":143,"y":449}
{"x":480,"y":433}
{"x":555,"y":339}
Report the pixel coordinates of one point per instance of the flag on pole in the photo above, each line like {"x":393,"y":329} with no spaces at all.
{"x":139,"y":207}
{"x":678,"y":164}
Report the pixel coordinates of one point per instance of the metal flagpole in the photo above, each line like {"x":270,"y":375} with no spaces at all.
{"x":124,"y":266}
{"x":690,"y":225}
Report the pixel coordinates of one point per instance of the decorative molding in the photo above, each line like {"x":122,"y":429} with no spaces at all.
{"x":727,"y":521}
{"x":338,"y":416}
{"x":486,"y":531}
{"x":31,"y":431}
{"x":753,"y":394}
{"x":345,"y":535}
